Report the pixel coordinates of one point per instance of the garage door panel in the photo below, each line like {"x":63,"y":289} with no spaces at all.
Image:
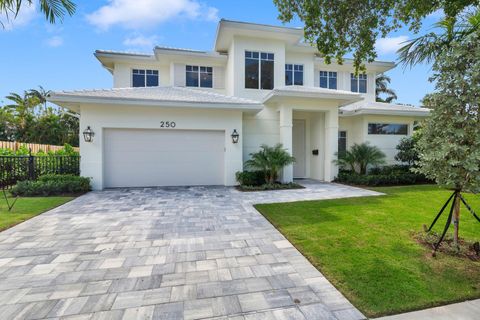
{"x":137,"y":158}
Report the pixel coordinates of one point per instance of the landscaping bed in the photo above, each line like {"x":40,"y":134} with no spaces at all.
{"x":266,"y":187}
{"x":395,"y":175}
{"x":365,"y":247}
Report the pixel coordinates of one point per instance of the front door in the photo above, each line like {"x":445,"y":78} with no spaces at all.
{"x":299,"y":148}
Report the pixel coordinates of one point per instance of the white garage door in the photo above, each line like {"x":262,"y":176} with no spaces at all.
{"x":144,"y":158}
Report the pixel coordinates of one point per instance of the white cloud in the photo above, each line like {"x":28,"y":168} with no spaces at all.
{"x":138,"y":14}
{"x":390,"y":44}
{"x":140,"y":41}
{"x":26,"y":14}
{"x":55,"y":41}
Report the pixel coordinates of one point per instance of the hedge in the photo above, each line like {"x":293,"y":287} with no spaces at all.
{"x":49,"y":185}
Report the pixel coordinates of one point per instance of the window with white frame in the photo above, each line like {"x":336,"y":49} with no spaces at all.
{"x":294,"y":74}
{"x":144,"y":78}
{"x":328,"y":79}
{"x":358,"y":84}
{"x":199,"y":76}
{"x":259,"y":73}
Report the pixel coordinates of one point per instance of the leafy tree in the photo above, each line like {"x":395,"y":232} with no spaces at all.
{"x":360,"y":157}
{"x":53,"y":9}
{"x":450,"y":144}
{"x":41,"y":94}
{"x":270,"y":160}
{"x":339,"y":27}
{"x":24,"y":120}
{"x":407,"y":149}
{"x":381,"y":87}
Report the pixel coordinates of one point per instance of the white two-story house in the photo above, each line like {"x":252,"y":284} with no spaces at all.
{"x":188,"y":117}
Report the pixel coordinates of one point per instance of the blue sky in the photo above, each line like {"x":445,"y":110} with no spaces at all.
{"x":60,"y":57}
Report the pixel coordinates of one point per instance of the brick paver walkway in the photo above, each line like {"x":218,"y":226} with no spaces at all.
{"x":166,"y":253}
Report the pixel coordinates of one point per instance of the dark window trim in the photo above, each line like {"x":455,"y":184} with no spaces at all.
{"x":360,"y":77}
{"x":330,"y":75}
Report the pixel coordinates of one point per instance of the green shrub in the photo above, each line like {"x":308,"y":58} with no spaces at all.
{"x":271,"y":186}
{"x":250,"y":178}
{"x":383,"y":176}
{"x":49,"y":185}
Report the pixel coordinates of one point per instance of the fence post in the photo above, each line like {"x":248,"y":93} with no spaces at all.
{"x":31,"y":166}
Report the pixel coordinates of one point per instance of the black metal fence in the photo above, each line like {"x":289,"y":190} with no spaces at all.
{"x":18,"y":168}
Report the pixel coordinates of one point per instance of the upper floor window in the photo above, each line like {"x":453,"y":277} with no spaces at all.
{"x":144,"y":78}
{"x":388,"y":128}
{"x":259,"y":70}
{"x":328,"y":79}
{"x":358,"y":84}
{"x":199,"y":76}
{"x":294,"y":74}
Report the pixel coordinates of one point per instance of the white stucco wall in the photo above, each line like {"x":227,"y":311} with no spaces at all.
{"x":357,"y":132}
{"x":122,"y":73}
{"x":99,"y":117}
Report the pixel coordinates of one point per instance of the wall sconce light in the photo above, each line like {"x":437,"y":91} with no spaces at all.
{"x":88,"y":134}
{"x":235,"y":136}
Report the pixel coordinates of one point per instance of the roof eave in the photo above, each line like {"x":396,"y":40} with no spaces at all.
{"x":346,"y":98}
{"x":406,"y":113}
{"x":68,"y":100}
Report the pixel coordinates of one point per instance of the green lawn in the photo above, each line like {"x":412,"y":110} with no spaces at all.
{"x":364,"y":246}
{"x":26,"y":208}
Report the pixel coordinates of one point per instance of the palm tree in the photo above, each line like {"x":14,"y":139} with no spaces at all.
{"x":270,"y":160}
{"x":41,"y":94}
{"x":360,"y":157}
{"x":381,"y":87}
{"x":425,"y":48}
{"x":53,"y":9}
{"x":21,"y":108}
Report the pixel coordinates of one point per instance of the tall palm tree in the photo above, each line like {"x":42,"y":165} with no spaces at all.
{"x":21,"y":108}
{"x":381,"y":87}
{"x":424,"y":49}
{"x":41,"y":94}
{"x":53,"y":9}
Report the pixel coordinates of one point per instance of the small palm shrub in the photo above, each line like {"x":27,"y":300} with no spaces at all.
{"x":270,"y":160}
{"x":360,"y":157}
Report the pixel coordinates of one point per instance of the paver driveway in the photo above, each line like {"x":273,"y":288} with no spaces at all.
{"x":167,"y":253}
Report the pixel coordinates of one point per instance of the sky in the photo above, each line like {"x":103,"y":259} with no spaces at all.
{"x":60,"y":56}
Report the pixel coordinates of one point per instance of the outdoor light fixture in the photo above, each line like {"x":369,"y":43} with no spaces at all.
{"x":235,"y":136}
{"x":88,"y":134}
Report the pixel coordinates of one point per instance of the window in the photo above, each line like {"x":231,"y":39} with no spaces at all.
{"x":144,"y":78}
{"x":342,"y":143}
{"x":358,"y":84}
{"x":388,"y":128}
{"x":328,"y":79}
{"x":294,"y":74}
{"x":199,"y":76}
{"x":259,"y":70}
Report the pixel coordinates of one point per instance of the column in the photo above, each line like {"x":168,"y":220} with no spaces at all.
{"x":286,"y":124}
{"x":331,"y":144}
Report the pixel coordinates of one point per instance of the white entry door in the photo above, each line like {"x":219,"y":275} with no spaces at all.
{"x":145,"y":158}
{"x":299,"y":148}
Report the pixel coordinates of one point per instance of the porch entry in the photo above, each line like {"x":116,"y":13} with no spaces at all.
{"x":299,"y":148}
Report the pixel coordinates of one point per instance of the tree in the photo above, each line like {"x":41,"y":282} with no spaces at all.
{"x":381,"y":87}
{"x":41,"y":94}
{"x":360,"y":157}
{"x":424,"y":49}
{"x":270,"y":160}
{"x":450,"y":144}
{"x":340,"y":27}
{"x":53,"y":9}
{"x":407,"y":149}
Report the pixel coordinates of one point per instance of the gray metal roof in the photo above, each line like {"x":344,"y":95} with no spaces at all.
{"x":152,"y":95}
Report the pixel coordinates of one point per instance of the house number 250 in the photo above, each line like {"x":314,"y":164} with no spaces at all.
{"x":167,"y":124}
